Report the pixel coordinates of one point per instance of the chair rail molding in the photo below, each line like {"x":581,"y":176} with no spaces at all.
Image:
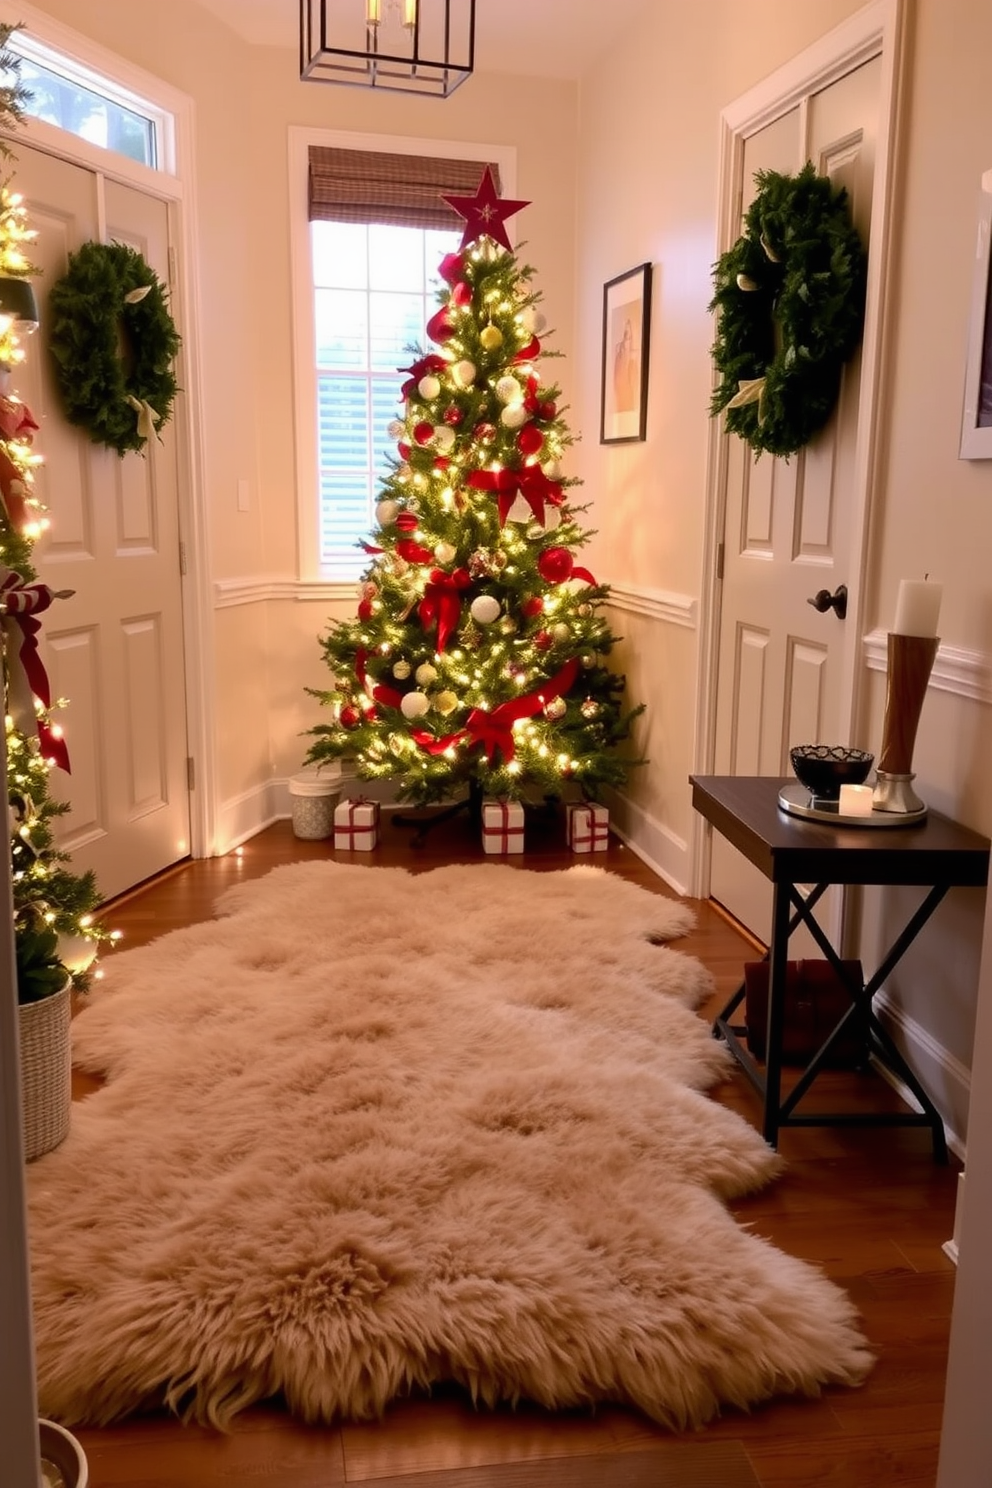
{"x":965,"y":673}
{"x":658,"y":604}
{"x":229,"y":592}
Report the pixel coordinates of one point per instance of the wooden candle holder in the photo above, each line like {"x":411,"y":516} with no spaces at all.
{"x":910,"y":662}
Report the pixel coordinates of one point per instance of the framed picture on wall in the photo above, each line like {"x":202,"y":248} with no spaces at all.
{"x":976,"y":420}
{"x":626,"y":332}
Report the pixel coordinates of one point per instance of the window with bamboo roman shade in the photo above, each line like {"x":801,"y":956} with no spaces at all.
{"x":401,"y":190}
{"x":378,"y":231}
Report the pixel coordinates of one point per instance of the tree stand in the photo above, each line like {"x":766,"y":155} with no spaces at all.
{"x":472,"y":803}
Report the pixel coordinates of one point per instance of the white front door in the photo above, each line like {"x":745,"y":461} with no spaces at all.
{"x":115,"y":649}
{"x":788,"y":528}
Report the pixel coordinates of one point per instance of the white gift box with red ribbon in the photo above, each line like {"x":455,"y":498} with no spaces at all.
{"x":588,"y":827}
{"x":356,"y":824}
{"x":502,"y":826}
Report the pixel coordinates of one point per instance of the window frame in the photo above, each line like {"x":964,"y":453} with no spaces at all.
{"x":305,"y":412}
{"x":44,"y":53}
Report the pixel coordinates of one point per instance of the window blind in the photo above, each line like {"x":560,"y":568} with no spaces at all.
{"x":400,"y":190}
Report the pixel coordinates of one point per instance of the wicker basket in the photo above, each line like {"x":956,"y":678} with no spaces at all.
{"x":46,"y":1071}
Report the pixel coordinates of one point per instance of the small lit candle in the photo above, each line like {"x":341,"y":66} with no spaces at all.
{"x":856,"y":800}
{"x":917,"y":608}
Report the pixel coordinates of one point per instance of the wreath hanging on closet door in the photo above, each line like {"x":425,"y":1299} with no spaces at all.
{"x":790,"y":297}
{"x":114,"y":342}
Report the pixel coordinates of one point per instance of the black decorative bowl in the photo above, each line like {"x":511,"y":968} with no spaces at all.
{"x":824,"y":768}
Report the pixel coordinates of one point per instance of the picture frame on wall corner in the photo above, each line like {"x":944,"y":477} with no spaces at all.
{"x":626,"y":346}
{"x":976,"y":418}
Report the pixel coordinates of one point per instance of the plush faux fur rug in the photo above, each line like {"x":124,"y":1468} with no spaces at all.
{"x":370,"y":1130}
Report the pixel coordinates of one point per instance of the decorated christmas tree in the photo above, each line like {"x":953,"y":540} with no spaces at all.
{"x":55,"y":932}
{"x":477,"y":656}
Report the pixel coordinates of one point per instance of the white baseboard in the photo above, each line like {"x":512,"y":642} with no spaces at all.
{"x":241,"y":817}
{"x":653,"y":842}
{"x":945,"y":1079}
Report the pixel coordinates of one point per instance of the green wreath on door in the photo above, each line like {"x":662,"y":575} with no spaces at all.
{"x":790,"y":299}
{"x":114,"y":343}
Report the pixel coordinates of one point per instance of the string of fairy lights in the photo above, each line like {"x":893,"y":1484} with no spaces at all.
{"x":49,"y":899}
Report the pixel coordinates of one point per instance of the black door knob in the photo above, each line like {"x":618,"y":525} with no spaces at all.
{"x":823,"y":600}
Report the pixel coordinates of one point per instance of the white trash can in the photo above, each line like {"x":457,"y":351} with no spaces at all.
{"x":313,"y":795}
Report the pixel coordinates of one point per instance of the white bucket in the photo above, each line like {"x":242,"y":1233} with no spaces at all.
{"x":314,"y":793}
{"x":60,"y":1450}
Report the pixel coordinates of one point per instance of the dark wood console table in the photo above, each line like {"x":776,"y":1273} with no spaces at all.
{"x":938,"y":854}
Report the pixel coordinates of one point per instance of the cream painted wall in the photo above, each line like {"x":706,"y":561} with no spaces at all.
{"x":648,"y":192}
{"x":656,"y":200}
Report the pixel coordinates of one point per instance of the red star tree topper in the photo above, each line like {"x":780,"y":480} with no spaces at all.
{"x":485,"y":212}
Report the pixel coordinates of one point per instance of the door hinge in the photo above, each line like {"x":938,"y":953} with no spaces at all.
{"x":190,"y":773}
{"x":182,"y":558}
{"x":719,"y":560}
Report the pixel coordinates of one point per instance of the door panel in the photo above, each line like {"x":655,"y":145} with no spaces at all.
{"x":787,"y":521}
{"x":114,"y":650}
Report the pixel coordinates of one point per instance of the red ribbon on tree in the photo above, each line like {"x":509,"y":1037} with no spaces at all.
{"x":26,"y":675}
{"x":529,"y":352}
{"x":14,"y":492}
{"x":413,"y":552}
{"x":530,"y":481}
{"x":430,"y":363}
{"x":442,"y":602}
{"x":440,"y":325}
{"x":16,"y":420}
{"x":382,"y":693}
{"x":495,"y":730}
{"x":434,"y":746}
{"x":450,"y":267}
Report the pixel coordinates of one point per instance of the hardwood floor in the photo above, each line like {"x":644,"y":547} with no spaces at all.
{"x":869,"y":1206}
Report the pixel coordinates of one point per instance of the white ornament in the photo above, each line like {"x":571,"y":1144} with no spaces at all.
{"x":463,"y":374}
{"x":552,"y":518}
{"x":540,"y":321}
{"x":428,"y":387}
{"x":508,"y":390}
{"x":520,"y":511}
{"x":527,"y":318}
{"x":386,"y":512}
{"x":514,"y":415}
{"x":396,"y":428}
{"x":444,"y":552}
{"x":552,"y":469}
{"x":414,"y":705}
{"x":444,"y":437}
{"x":425,"y":674}
{"x":76,"y":952}
{"x":485,"y":609}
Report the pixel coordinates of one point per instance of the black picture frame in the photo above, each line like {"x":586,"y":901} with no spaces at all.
{"x":626,"y":348}
{"x":976,"y":417}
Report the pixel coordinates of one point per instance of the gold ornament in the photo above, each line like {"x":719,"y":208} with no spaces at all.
{"x":491,"y":337}
{"x":425,"y":674}
{"x":560,"y":631}
{"x":589,"y":708}
{"x":588,"y":660}
{"x":508,"y":626}
{"x":397,"y":744}
{"x":585,"y":610}
{"x":555,"y":708}
{"x":401,"y":670}
{"x":445,"y":703}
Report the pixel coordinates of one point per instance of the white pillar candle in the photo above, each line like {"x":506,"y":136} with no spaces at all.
{"x":856,"y":800}
{"x":917,"y":608}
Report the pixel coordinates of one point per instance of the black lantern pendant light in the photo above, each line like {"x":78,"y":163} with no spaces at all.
{"x":404,"y":46}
